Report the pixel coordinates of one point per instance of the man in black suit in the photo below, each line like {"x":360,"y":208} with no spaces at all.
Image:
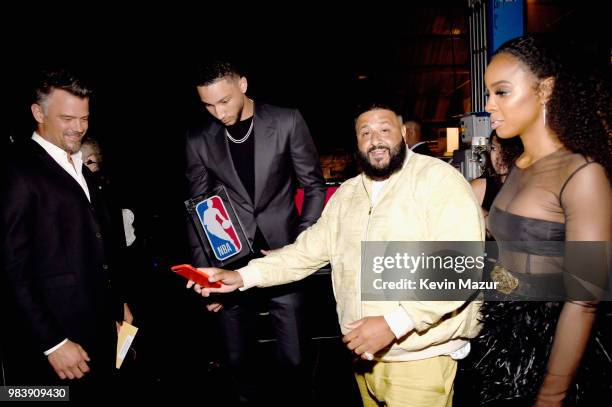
{"x":57,"y":250}
{"x":261,"y":154}
{"x":414,"y":137}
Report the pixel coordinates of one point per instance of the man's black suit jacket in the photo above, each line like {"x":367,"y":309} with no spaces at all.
{"x":57,"y":252}
{"x":285,"y":159}
{"x":423,"y":149}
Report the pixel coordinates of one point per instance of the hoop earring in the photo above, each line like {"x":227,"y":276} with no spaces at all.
{"x":544,"y":114}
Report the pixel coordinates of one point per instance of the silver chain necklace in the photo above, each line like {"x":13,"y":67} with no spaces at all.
{"x":242,"y":140}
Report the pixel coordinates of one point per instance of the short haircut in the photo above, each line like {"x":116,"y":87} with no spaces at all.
{"x":366,"y":107}
{"x":59,"y":79}
{"x":211,"y":71}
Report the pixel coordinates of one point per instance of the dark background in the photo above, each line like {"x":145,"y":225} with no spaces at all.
{"x":321,"y":61}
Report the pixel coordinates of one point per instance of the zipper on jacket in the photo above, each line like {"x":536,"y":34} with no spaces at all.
{"x":363,"y":250}
{"x":366,"y":234}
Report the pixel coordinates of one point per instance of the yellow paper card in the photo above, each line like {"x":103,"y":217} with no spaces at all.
{"x":126,"y":335}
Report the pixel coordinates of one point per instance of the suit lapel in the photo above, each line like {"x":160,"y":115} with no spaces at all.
{"x":265,"y":128}
{"x":59,"y":173}
{"x":98,"y":203}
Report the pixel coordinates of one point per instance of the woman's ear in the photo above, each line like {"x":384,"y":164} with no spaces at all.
{"x":545,"y":89}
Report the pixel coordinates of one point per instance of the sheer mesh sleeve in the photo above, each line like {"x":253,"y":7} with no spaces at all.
{"x":585,"y":200}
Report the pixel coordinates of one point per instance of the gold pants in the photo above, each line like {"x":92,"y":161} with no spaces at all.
{"x":427,"y":382}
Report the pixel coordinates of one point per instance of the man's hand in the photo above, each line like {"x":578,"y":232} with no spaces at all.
{"x":266,"y":252}
{"x":368,"y":335}
{"x":127,"y":316}
{"x":69,"y":361}
{"x":231,"y":281}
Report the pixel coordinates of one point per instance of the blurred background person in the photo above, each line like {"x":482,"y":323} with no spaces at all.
{"x":414,"y":136}
{"x":499,"y":162}
{"x":92,"y":154}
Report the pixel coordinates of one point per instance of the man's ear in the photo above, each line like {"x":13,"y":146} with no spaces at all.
{"x":403,"y":130}
{"x":243,"y":84}
{"x":37,"y":112}
{"x":545,"y":89}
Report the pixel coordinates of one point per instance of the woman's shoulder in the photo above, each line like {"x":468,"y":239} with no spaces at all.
{"x":576,"y":163}
{"x":583,"y":176}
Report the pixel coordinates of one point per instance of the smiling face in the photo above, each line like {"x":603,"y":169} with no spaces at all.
{"x":225,"y":98}
{"x":514,"y":102}
{"x":380,"y":141}
{"x":63,"y":119}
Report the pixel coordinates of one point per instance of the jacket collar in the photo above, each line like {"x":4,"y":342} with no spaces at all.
{"x":391,"y":181}
{"x":264,"y":129}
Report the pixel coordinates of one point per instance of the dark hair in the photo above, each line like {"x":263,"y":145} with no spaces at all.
{"x":424,"y":129}
{"x":510,"y":150}
{"x":578,"y":110}
{"x":366,"y":107}
{"x":60,"y":79}
{"x":212,"y":70}
{"x":408,"y":117}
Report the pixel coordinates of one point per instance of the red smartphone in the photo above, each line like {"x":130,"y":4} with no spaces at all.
{"x":192,"y":273}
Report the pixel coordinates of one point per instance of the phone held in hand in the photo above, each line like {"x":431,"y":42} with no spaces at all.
{"x":192,"y":273}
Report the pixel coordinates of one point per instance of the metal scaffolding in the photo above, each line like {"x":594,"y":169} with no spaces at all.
{"x":477,"y":25}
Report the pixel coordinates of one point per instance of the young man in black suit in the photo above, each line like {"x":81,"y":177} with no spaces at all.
{"x":58,"y":250}
{"x":261,"y":154}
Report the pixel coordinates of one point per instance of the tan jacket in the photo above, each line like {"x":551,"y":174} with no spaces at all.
{"x":427,"y":200}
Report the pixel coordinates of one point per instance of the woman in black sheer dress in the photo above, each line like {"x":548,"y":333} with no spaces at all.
{"x":546,"y":353}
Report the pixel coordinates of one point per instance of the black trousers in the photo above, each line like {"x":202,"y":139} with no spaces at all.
{"x":286,"y":378}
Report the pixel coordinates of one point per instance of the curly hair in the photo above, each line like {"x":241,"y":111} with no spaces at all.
{"x":510,"y":149}
{"x":578,"y":109}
